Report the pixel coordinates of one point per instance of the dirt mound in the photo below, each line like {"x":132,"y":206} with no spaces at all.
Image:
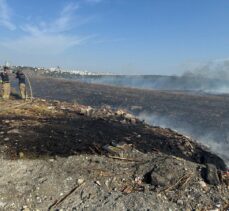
{"x":60,"y":155}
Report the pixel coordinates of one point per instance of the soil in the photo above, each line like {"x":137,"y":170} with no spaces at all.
{"x":202,"y":116}
{"x":67,"y":156}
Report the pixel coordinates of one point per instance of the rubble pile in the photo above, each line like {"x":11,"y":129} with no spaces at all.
{"x":57,"y":155}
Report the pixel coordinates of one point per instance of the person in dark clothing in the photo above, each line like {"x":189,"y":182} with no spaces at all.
{"x":22,"y":87}
{"x":6,"y":89}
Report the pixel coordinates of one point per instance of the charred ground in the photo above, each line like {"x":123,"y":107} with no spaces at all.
{"x":203,"y":116}
{"x":62,"y":155}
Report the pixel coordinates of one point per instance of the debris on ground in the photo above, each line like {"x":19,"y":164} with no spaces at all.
{"x":61,"y":156}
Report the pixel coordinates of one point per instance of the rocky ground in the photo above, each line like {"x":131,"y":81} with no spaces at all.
{"x":62,"y":156}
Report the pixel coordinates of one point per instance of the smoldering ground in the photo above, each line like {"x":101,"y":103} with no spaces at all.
{"x":209,"y":77}
{"x":204,"y":117}
{"x":207,"y":138}
{"x":186,"y":82}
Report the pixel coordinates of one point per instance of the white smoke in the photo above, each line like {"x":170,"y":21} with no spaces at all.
{"x":216,"y":69}
{"x":210,"y":77}
{"x":220,"y":147}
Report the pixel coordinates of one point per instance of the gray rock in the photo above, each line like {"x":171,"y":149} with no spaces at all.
{"x":13,"y":131}
{"x":2,"y":204}
{"x":211,"y":175}
{"x":158,"y":180}
{"x":180,"y":202}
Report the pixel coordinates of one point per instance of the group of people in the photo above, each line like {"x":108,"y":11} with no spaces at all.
{"x":6,"y":86}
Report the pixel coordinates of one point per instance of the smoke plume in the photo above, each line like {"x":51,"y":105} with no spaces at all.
{"x":208,"y":138}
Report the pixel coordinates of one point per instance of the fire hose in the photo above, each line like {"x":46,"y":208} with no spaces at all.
{"x":24,"y":103}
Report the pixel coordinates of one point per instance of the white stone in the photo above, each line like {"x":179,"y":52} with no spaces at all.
{"x":80,"y":181}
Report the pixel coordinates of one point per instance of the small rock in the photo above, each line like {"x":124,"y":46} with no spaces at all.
{"x":13,"y":131}
{"x":218,"y":205}
{"x":123,"y":121}
{"x":133,"y":121}
{"x":120,"y":112}
{"x":129,"y":116}
{"x":80,"y":181}
{"x":107,"y":183}
{"x":98,"y":183}
{"x":69,"y":179}
{"x":211,"y":175}
{"x":203,"y":185}
{"x":21,"y":155}
{"x":138,"y":180}
{"x":62,"y":108}
{"x":38,"y":199}
{"x":6,"y":139}
{"x":86,"y":111}
{"x":2,"y":204}
{"x":25,"y":208}
{"x":158,"y":180}
{"x":180,"y":202}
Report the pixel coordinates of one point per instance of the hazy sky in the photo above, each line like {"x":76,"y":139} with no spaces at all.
{"x":123,"y":36}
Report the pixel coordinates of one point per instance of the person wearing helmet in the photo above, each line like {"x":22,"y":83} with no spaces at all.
{"x":6,"y":88}
{"x":22,"y":87}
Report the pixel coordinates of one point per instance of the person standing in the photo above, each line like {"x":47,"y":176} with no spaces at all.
{"x":22,"y":87}
{"x":6,"y":88}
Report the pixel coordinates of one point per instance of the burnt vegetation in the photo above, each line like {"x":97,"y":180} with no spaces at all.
{"x":203,"y":116}
{"x":112,"y":150}
{"x":117,"y":158}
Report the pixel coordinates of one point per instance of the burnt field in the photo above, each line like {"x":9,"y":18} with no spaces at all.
{"x":66,"y":156}
{"x":205,"y":117}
